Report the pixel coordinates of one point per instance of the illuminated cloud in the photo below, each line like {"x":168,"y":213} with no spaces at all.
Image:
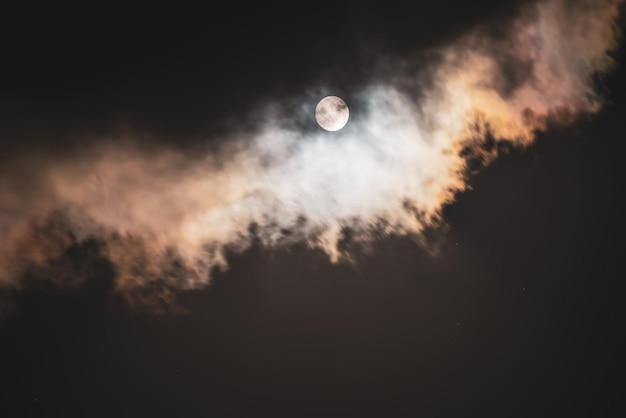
{"x":166,"y":219}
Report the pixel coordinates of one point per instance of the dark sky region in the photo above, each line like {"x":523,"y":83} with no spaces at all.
{"x":520,"y":314}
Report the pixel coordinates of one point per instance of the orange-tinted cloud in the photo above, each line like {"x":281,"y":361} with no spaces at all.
{"x":165,"y":219}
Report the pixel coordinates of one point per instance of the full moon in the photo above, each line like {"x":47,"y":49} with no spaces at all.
{"x":332,"y":113}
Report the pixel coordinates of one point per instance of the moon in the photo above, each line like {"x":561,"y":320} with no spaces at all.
{"x":332,"y":113}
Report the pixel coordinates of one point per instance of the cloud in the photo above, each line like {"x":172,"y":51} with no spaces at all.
{"x":165,"y":218}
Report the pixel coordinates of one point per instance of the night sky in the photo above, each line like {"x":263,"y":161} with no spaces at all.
{"x":519,"y":313}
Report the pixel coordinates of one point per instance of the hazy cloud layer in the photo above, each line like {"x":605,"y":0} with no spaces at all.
{"x":165,"y":218}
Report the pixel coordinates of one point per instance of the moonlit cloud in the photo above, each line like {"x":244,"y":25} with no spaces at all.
{"x":166,"y":219}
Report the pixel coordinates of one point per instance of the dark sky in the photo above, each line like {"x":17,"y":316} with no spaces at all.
{"x":180,"y":72}
{"x":521,"y":315}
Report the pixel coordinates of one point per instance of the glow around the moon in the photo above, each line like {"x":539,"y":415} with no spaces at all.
{"x":332,"y":113}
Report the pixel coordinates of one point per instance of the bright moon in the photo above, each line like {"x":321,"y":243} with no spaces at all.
{"x":332,"y":113}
